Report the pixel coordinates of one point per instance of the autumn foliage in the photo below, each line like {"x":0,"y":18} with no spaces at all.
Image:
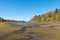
{"x":47,"y":17}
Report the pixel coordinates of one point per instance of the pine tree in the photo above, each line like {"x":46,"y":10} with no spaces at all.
{"x":56,"y":10}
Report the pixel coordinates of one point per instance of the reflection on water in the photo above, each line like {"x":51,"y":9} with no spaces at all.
{"x":23,"y":23}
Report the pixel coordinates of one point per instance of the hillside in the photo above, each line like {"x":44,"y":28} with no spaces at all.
{"x":47,"y":17}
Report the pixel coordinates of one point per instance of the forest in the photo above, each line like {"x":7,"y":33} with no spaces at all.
{"x":6,"y":20}
{"x":51,"y":16}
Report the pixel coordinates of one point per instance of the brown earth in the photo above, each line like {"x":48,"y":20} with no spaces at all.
{"x":44,"y":31}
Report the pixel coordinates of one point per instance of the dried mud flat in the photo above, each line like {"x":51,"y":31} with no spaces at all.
{"x":40,"y":32}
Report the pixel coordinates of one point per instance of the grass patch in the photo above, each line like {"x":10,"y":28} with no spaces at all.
{"x":8,"y":28}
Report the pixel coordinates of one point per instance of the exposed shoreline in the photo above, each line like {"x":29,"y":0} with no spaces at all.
{"x":42,"y":31}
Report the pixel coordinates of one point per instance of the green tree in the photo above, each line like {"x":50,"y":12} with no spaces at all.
{"x":56,"y":10}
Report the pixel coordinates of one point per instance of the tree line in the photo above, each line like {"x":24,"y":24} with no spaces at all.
{"x":6,"y":20}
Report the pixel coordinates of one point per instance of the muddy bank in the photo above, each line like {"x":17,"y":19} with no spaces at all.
{"x":17,"y":35}
{"x":28,"y":33}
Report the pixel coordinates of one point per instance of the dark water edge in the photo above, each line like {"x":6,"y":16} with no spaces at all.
{"x":23,"y":23}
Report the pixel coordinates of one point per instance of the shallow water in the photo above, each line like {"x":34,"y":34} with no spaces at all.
{"x":23,"y":23}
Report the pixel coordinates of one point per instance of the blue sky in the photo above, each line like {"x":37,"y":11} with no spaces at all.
{"x":26,"y":9}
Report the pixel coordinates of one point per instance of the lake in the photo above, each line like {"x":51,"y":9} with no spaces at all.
{"x":23,"y":23}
